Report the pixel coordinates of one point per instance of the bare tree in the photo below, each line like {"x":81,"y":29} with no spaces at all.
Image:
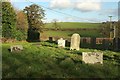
{"x":56,"y":25}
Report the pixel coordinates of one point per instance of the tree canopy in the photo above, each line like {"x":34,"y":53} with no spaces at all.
{"x":22,"y":23}
{"x":8,"y":20}
{"x":35,"y":15}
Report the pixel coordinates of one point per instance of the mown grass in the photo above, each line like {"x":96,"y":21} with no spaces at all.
{"x":74,"y":25}
{"x":46,"y":60}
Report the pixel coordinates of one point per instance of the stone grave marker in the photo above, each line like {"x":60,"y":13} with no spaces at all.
{"x":75,"y":42}
{"x":16,"y":48}
{"x":61,"y":43}
{"x":51,"y":39}
{"x":92,"y":57}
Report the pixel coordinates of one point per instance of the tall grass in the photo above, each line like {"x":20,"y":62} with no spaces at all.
{"x":45,"y":60}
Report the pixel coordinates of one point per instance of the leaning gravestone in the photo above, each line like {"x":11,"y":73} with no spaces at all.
{"x":16,"y":48}
{"x":75,"y":42}
{"x":92,"y":57}
{"x":61,"y":43}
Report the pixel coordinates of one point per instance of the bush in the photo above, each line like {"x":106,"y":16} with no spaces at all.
{"x":21,"y":35}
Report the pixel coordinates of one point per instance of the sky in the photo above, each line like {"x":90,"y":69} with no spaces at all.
{"x":74,"y":10}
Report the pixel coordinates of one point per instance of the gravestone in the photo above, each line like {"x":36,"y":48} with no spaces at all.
{"x":92,"y":57}
{"x":67,"y":43}
{"x":51,"y":39}
{"x":16,"y":48}
{"x":75,"y":42}
{"x":61,"y":43}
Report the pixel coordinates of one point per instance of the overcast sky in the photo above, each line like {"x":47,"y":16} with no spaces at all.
{"x":75,"y":10}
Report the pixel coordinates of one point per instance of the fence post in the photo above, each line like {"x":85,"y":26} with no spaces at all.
{"x":93,"y":42}
{"x":105,"y":44}
{"x":116,"y":44}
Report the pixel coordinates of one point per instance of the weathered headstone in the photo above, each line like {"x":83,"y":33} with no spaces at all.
{"x":16,"y":48}
{"x":92,"y":57}
{"x":61,"y":43}
{"x":75,"y":42}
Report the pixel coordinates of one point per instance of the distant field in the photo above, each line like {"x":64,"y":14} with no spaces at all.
{"x":74,"y":25}
{"x":90,"y":33}
{"x":84,"y":29}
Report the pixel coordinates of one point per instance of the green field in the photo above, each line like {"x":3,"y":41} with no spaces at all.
{"x":45,"y":60}
{"x":69,"y":28}
{"x":68,"y":34}
{"x":74,"y":25}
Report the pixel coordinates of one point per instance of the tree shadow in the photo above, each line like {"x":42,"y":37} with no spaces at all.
{"x":33,"y":36}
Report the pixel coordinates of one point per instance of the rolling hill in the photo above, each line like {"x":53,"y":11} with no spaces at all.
{"x":74,"y":25}
{"x":69,"y":28}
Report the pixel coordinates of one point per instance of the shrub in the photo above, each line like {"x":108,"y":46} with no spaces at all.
{"x":20,"y":35}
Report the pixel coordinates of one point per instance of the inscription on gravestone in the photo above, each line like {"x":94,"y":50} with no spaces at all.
{"x":92,"y":57}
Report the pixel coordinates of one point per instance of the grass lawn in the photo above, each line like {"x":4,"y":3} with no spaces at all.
{"x":41,"y":60}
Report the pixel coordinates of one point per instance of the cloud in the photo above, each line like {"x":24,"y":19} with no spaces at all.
{"x":72,"y":19}
{"x":83,"y":6}
{"x":60,"y":4}
{"x":87,"y":6}
{"x":28,"y":0}
{"x":113,"y":12}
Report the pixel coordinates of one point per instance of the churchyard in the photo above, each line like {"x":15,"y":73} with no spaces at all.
{"x":70,"y":56}
{"x":34,"y":48}
{"x":55,"y":60}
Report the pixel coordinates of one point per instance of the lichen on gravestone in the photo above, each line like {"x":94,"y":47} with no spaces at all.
{"x":16,"y":48}
{"x":92,"y":57}
{"x":75,"y":42}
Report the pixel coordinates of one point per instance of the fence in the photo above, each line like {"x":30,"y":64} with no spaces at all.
{"x":92,"y":43}
{"x":97,"y":43}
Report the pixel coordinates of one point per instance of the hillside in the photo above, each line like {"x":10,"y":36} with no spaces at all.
{"x":45,"y":60}
{"x":74,"y":25}
{"x":69,"y":28}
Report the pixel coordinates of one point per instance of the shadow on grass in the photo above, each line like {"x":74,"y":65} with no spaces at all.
{"x":33,"y":63}
{"x":105,"y":57}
